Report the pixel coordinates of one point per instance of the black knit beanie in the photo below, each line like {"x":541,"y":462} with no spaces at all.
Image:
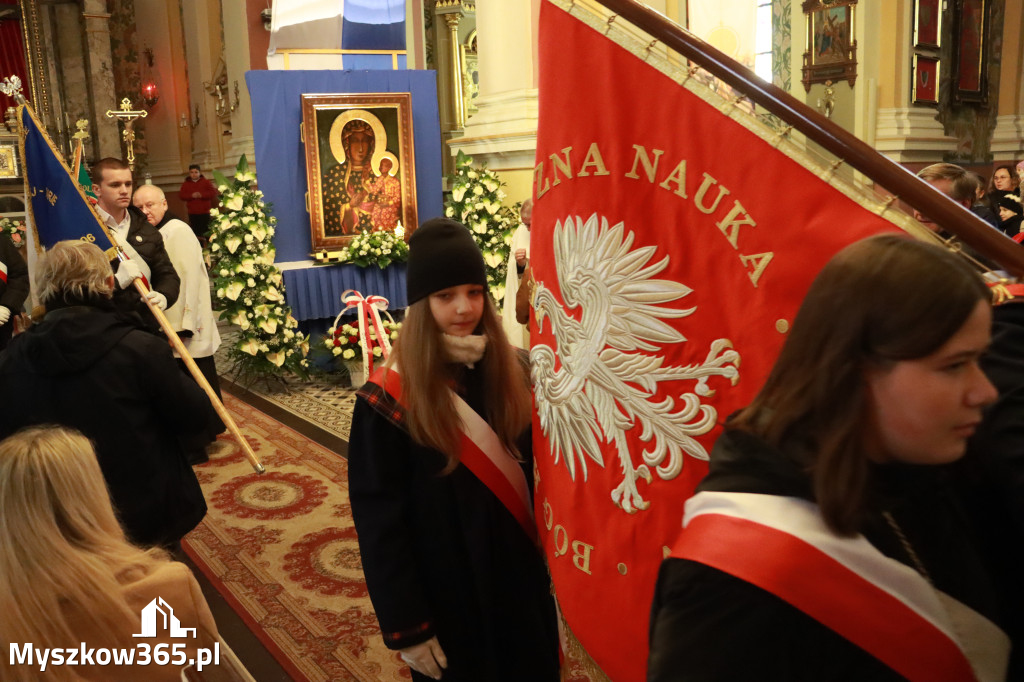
{"x":442,"y":254}
{"x":1011,"y":202}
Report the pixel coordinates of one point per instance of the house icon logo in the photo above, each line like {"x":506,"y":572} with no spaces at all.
{"x":158,"y":615}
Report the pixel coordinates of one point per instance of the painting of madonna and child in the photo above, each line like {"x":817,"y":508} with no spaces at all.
{"x":360,"y":165}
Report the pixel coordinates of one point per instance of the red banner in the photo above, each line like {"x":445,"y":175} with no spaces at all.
{"x":671,"y":245}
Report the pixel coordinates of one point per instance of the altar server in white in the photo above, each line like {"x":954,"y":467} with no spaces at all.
{"x":192,"y":314}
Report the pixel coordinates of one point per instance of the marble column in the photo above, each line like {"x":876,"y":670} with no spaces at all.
{"x":503,"y":132}
{"x":106,"y":134}
{"x":236,"y":58}
{"x":201,"y":24}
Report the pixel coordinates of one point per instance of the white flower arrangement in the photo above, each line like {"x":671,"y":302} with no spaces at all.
{"x":375,"y":248}
{"x":248,"y":286}
{"x":476,"y":203}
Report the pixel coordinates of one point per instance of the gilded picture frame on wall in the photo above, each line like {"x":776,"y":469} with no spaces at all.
{"x":9,"y":161}
{"x":927,"y":24}
{"x":830,"y":53}
{"x":360,"y":165}
{"x":971,"y":51}
{"x":926,"y":79}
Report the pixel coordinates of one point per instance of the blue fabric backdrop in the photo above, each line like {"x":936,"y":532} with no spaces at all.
{"x":281,"y":166}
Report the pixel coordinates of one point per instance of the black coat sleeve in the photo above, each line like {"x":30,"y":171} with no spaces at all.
{"x":708,"y":626}
{"x":380,"y":477}
{"x":181,"y":405}
{"x":165,"y":278}
{"x":16,"y":291}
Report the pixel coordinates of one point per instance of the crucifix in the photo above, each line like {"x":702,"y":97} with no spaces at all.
{"x":126,"y":114}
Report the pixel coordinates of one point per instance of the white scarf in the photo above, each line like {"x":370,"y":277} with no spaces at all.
{"x":466,"y":350}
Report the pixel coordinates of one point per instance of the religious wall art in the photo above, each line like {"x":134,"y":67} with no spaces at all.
{"x":970,"y":51}
{"x":831,"y":49}
{"x":927,"y":23}
{"x":9,"y":161}
{"x":360,"y":166}
{"x":926,"y":80}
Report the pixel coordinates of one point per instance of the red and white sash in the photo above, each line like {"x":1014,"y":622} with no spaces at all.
{"x":3,"y":272}
{"x":482,"y":452}
{"x":782,"y":545}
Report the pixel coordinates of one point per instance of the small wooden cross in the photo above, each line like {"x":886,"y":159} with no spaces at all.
{"x":128,"y":115}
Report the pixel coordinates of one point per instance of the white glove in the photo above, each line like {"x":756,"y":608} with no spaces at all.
{"x":158,"y":299}
{"x":126,"y":272}
{"x":425,"y":658}
{"x":5,"y":314}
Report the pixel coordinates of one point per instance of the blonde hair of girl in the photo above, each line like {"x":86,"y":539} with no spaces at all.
{"x":62,"y":547}
{"x":430,"y":410}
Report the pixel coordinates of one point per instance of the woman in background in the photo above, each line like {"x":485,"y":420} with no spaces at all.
{"x":825,"y":544}
{"x":440,"y":478}
{"x":68,"y":577}
{"x":1004,"y":180}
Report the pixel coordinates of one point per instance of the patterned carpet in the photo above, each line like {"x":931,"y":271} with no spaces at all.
{"x":282,"y":549}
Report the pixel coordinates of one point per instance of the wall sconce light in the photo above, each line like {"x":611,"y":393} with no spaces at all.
{"x":150,"y":91}
{"x":185,"y":123}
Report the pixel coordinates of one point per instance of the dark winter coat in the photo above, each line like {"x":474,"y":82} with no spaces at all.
{"x":149,"y":243}
{"x":990,"y":478}
{"x":198,"y":205}
{"x":708,"y":625}
{"x":443,"y":557}
{"x":14,"y":290}
{"x":91,"y":369}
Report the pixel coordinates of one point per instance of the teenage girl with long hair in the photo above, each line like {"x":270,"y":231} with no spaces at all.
{"x":825,"y":542}
{"x":68,"y":577}
{"x":440,"y":476}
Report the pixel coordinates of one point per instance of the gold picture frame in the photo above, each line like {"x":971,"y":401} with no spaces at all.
{"x":360,"y":166}
{"x":830,"y":53}
{"x":9,"y":161}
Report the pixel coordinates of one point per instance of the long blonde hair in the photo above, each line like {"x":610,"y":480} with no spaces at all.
{"x":62,"y":546}
{"x":430,"y":410}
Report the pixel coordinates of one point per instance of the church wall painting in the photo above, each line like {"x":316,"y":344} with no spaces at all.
{"x":360,"y":165}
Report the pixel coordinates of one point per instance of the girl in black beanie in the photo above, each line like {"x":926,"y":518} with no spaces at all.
{"x":1011,"y":214}
{"x":441,"y":481}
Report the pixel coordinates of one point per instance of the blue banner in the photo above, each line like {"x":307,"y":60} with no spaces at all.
{"x":59,"y":207}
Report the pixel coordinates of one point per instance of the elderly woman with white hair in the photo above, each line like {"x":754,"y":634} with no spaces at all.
{"x":94,"y":368}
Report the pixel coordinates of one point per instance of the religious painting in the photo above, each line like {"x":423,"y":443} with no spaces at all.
{"x":926,"y":80}
{"x":927,"y":23}
{"x":970,"y":51}
{"x":360,"y":166}
{"x":831,"y":50}
{"x":9,"y":161}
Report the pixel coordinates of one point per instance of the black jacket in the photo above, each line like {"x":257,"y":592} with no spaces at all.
{"x":148,"y":241}
{"x":14,"y":291}
{"x":442,"y":556}
{"x":89,"y":368}
{"x":708,"y":625}
{"x":990,"y":478}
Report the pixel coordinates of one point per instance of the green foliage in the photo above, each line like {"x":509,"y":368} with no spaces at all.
{"x":476,"y":203}
{"x":249,"y":288}
{"x":375,"y":248}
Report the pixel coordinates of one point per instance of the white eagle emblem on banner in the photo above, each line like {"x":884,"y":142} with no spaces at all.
{"x":606,"y":382}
